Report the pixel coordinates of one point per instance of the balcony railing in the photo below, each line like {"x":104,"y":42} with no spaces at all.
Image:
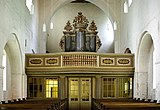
{"x":79,"y":60}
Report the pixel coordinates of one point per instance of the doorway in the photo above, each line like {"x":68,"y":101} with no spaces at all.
{"x":79,"y":93}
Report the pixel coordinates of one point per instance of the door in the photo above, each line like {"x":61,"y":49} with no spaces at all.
{"x":79,"y":93}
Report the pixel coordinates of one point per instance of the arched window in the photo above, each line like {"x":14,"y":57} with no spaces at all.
{"x":4,"y":64}
{"x":129,"y":2}
{"x":125,"y":7}
{"x":30,"y":6}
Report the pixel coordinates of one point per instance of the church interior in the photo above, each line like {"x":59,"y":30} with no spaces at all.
{"x":79,"y":54}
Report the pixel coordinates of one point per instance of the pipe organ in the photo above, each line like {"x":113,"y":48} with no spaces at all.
{"x":77,"y":38}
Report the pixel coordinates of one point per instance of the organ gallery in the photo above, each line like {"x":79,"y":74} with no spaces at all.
{"x":79,"y":73}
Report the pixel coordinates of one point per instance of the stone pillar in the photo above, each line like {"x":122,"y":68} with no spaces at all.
{"x":142,"y":85}
{"x":16,"y":85}
{"x":1,"y":83}
{"x":62,"y":89}
{"x":157,"y":81}
{"x":135,"y":86}
{"x":24,"y":86}
{"x":98,"y":87}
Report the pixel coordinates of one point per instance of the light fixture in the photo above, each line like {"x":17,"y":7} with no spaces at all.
{"x":32,"y":9}
{"x":44,"y":24}
{"x":115,"y":25}
{"x":44,"y":27}
{"x":108,"y":16}
{"x":51,"y":23}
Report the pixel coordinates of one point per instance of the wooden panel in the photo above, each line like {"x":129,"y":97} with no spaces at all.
{"x":88,"y":62}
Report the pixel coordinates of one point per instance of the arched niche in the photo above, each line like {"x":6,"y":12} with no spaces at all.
{"x":145,"y":58}
{"x":101,"y":18}
{"x":15,"y":68}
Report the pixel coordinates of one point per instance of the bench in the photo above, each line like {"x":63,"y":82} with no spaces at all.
{"x":35,"y":104}
{"x":123,"y":104}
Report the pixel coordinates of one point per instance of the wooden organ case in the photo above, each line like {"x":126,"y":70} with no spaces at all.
{"x":77,"y":38}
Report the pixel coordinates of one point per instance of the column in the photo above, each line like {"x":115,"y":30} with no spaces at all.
{"x":16,"y":85}
{"x":98,"y":87}
{"x":24,"y":86}
{"x":141,"y":85}
{"x":1,"y":83}
{"x":66,"y":87}
{"x":62,"y":89}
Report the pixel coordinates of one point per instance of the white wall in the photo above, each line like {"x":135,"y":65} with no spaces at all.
{"x":34,"y":32}
{"x":16,"y":18}
{"x":143,"y":16}
{"x":15,"y":26}
{"x":109,"y":8}
{"x":92,"y":12}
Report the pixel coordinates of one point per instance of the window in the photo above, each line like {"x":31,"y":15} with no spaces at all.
{"x":30,"y":6}
{"x":39,"y":87}
{"x":129,"y":2}
{"x":109,"y":87}
{"x":35,"y":88}
{"x":4,"y":64}
{"x":74,"y":90}
{"x":85,"y":90}
{"x":117,"y":87}
{"x":124,"y":87}
{"x":51,"y":88}
{"x":125,"y":7}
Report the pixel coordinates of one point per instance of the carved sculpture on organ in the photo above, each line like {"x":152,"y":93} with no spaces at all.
{"x":77,"y":38}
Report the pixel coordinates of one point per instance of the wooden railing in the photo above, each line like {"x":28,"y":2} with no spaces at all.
{"x":81,"y":60}
{"x":96,"y":105}
{"x":60,"y":105}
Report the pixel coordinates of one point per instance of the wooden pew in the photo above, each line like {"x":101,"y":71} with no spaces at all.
{"x":36,"y":104}
{"x":123,"y":104}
